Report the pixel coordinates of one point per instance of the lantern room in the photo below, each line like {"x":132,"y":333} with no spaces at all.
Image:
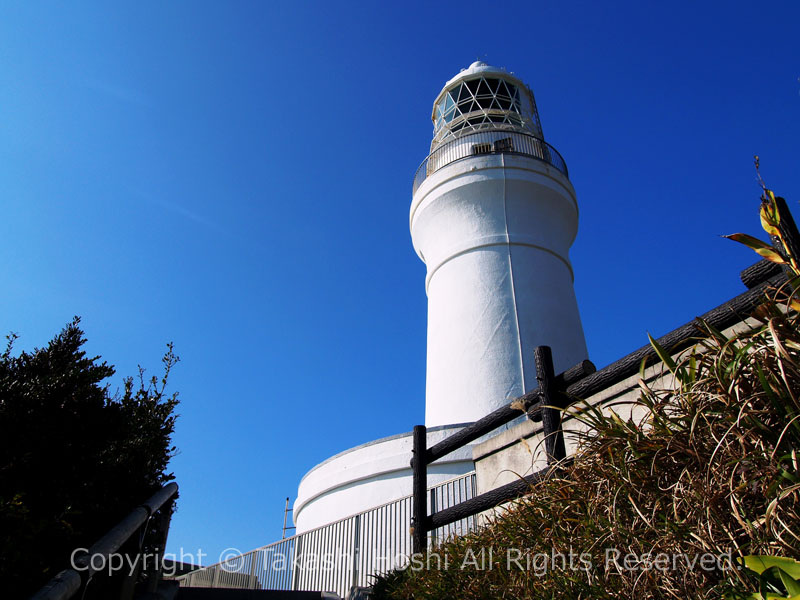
{"x":483,"y":97}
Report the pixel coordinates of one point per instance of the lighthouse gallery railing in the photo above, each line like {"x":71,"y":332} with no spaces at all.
{"x":492,"y":141}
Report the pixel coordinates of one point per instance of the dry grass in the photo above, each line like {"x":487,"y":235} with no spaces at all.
{"x":712,"y":471}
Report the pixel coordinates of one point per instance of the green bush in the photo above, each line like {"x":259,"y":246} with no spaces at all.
{"x":74,"y":458}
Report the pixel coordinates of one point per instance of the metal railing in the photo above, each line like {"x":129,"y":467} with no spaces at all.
{"x":488,"y":142}
{"x":340,"y":555}
{"x":265,"y":568}
{"x":128,"y":536}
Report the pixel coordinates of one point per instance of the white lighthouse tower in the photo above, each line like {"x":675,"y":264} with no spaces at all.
{"x":493,"y":217}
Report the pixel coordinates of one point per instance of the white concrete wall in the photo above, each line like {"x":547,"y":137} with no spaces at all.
{"x":369,"y":475}
{"x":519,"y":450}
{"x":494,"y":232}
{"x":506,"y":455}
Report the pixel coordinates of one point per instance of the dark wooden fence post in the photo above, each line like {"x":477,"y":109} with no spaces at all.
{"x":419,"y":509}
{"x":551,"y":414}
{"x":791,"y":238}
{"x":788,"y":227}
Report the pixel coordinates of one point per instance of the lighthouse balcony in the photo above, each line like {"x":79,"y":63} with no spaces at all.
{"x":495,"y":141}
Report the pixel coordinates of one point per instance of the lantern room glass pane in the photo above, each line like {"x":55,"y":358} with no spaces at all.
{"x":448,"y":103}
{"x":502,"y":90}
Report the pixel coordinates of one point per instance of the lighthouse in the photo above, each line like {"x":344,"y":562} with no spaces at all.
{"x":493,"y":217}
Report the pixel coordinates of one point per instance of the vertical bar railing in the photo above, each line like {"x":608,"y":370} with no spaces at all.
{"x":491,"y":141}
{"x":334,"y":557}
{"x":432,"y":509}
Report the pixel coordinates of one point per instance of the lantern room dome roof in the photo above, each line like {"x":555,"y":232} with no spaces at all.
{"x":478,"y":66}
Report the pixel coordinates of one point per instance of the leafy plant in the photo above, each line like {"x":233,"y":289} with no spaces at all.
{"x":783,"y":251}
{"x":778,"y":577}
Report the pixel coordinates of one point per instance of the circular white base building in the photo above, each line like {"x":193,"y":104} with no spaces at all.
{"x":370,"y":475}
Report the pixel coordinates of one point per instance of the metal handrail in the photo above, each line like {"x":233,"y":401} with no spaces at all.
{"x":69,"y":581}
{"x":493,"y":141}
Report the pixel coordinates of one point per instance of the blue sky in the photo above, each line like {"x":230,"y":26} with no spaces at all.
{"x":235,"y":177}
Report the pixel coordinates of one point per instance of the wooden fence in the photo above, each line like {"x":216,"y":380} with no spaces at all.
{"x":557,"y":392}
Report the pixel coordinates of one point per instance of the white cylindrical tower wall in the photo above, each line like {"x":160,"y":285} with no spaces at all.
{"x":493,"y":221}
